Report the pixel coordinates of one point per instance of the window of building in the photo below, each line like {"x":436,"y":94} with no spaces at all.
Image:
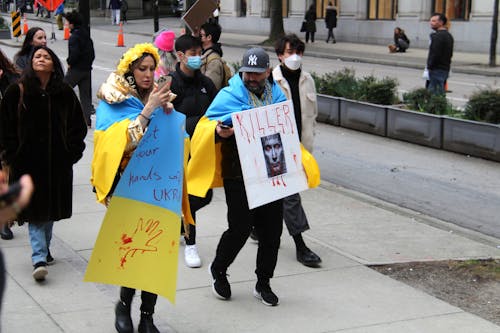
{"x":453,"y":9}
{"x":382,"y":9}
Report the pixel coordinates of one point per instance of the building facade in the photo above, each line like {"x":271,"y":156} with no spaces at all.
{"x":371,"y":21}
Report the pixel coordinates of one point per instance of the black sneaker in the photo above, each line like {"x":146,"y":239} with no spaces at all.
{"x":253,"y":235}
{"x":220,"y":285}
{"x":263,"y":292}
{"x":50,"y":258}
{"x":40,"y":271}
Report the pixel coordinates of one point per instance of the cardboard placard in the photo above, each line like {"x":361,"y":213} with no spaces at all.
{"x":270,"y":155}
{"x":199,"y":13}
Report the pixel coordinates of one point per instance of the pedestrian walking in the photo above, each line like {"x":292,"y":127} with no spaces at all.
{"x":331,"y":21}
{"x":440,"y":54}
{"x":42,"y":134}
{"x":59,"y":14}
{"x":128,"y":99}
{"x":115,"y":7}
{"x":81,"y":55}
{"x":212,"y":63}
{"x":310,"y":23}
{"x":298,"y":86}
{"x":195,"y":92}
{"x":9,"y":74}
{"x":213,"y":141}
{"x":34,"y":37}
{"x":164,"y":41}
{"x":123,"y":11}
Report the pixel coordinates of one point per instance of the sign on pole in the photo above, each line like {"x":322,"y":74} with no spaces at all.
{"x":16,"y":23}
{"x":269,"y":149}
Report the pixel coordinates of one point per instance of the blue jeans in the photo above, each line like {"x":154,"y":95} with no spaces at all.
{"x":40,"y":236}
{"x":437,"y":77}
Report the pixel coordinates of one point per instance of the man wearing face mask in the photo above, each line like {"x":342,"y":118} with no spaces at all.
{"x":195,"y":92}
{"x":298,"y":86}
{"x":215,"y":162}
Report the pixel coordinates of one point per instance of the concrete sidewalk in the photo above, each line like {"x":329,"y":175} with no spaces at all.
{"x":349,"y":231}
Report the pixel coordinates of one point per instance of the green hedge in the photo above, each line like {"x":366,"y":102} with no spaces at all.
{"x":422,"y":100}
{"x":344,"y":83}
{"x":484,"y":105}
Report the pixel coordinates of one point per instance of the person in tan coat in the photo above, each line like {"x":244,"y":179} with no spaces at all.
{"x":211,"y":57}
{"x":298,"y":86}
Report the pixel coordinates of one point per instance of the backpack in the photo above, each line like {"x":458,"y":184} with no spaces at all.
{"x":227,"y":73}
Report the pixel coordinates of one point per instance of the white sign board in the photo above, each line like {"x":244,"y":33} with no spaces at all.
{"x":269,"y":149}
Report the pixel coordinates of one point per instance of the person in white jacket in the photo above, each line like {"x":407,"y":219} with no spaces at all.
{"x":298,"y":86}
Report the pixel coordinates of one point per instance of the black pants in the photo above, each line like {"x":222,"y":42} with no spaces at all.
{"x":148,"y":299}
{"x":267,"y":221}
{"x":195,"y":204}
{"x":330,"y":35}
{"x":310,"y":34}
{"x":84,"y":81}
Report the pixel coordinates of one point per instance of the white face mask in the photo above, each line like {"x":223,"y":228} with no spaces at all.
{"x":293,"y":62}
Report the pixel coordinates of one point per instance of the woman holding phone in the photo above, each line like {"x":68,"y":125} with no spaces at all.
{"x":129,"y":99}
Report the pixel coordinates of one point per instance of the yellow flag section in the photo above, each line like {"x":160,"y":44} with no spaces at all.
{"x":138,"y":244}
{"x":137,"y":247}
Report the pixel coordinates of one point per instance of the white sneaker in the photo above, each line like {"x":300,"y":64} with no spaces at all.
{"x":191,"y":256}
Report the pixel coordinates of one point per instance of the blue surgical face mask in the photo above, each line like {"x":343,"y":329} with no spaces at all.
{"x":194,"y":62}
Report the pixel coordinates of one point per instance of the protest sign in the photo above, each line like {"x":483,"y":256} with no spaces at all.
{"x":138,"y":243}
{"x":269,"y":150}
{"x":199,"y":13}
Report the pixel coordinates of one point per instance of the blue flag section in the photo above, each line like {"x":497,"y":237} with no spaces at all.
{"x":154,"y":174}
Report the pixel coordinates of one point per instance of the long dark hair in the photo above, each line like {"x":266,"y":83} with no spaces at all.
{"x":30,"y":79}
{"x":27,"y":47}
{"x":7,"y":66}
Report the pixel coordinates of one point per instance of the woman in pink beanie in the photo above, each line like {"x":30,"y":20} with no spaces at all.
{"x":164,"y":41}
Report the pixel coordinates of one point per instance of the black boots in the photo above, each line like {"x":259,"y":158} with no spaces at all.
{"x":146,"y":324}
{"x":123,"y":322}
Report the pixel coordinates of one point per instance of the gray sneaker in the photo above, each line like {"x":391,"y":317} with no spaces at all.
{"x":40,"y":271}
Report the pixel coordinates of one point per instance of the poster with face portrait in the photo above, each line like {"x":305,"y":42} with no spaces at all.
{"x":269,"y":149}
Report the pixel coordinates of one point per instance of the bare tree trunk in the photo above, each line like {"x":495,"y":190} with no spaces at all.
{"x":276,"y":15}
{"x":494,"y":35}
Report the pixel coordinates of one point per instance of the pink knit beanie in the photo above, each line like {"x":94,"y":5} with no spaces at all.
{"x":165,"y":40}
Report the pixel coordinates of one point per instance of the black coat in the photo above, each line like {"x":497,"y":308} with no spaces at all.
{"x":331,"y":18}
{"x":194,"y":95}
{"x":43,"y":139}
{"x":310,"y":19}
{"x":81,"y":53}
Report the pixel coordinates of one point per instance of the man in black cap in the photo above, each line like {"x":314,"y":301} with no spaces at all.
{"x":80,"y":58}
{"x":253,"y":87}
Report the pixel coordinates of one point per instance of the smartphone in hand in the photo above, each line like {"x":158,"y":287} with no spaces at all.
{"x":164,"y":80}
{"x":224,"y":126}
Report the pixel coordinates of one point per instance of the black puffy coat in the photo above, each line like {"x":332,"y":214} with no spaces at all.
{"x":331,"y":17}
{"x":194,"y":95}
{"x":44,"y":138}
